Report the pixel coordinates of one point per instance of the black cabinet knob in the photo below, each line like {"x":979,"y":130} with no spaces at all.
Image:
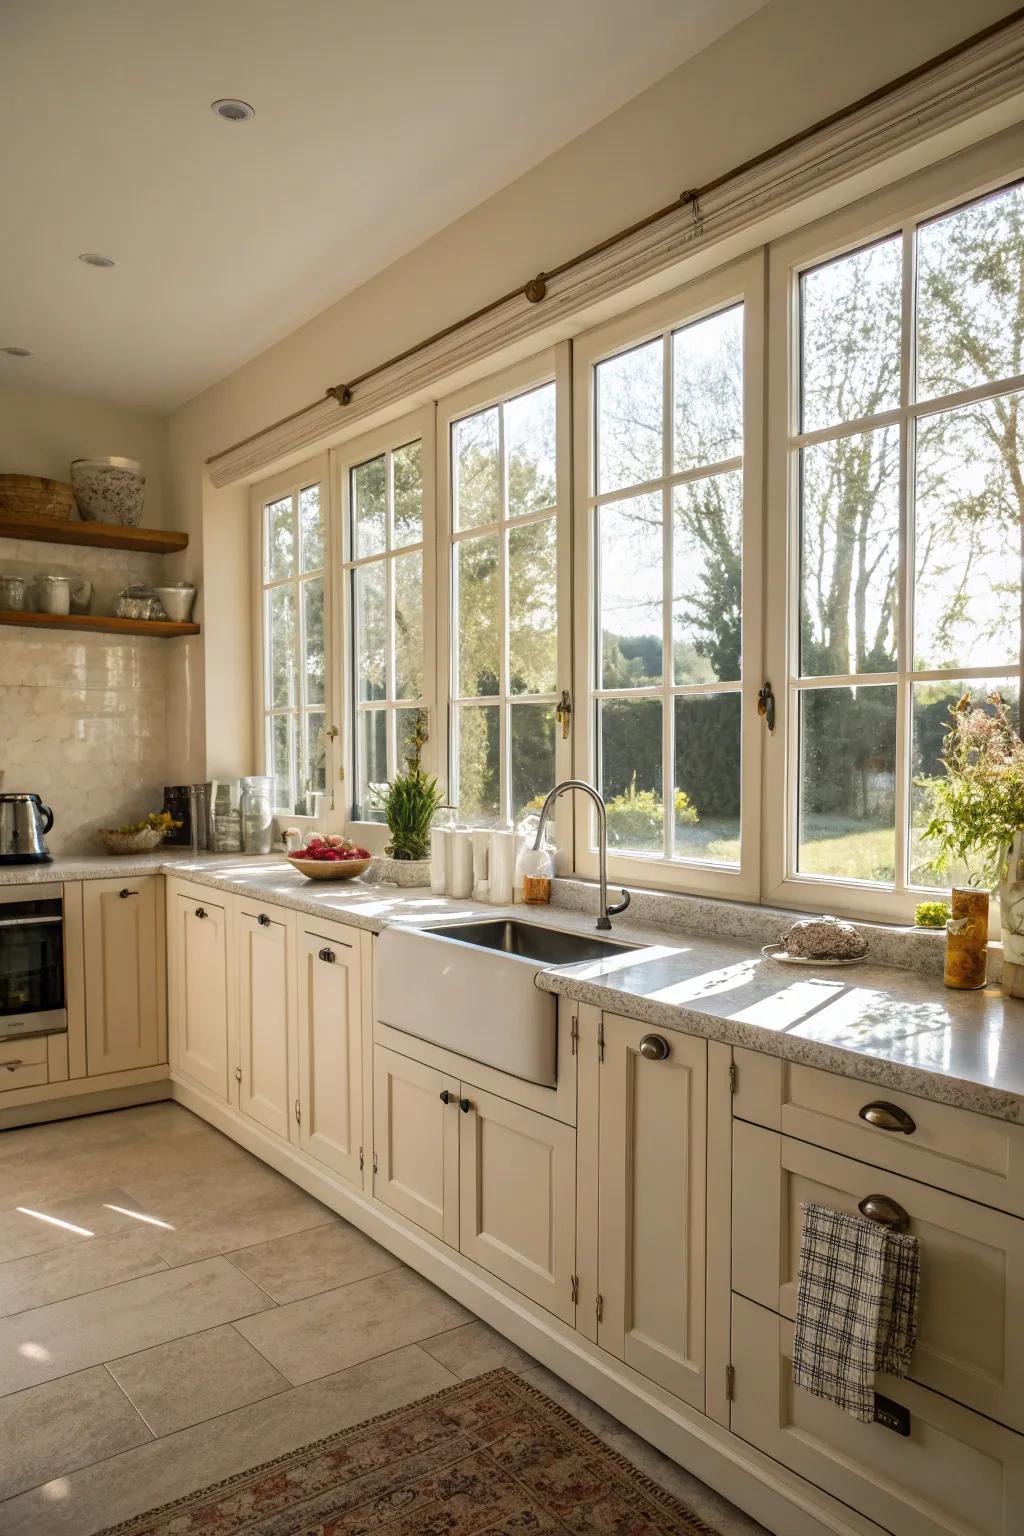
{"x":126,"y":892}
{"x":328,"y":955}
{"x":465,"y":1106}
{"x":200,"y":911}
{"x":263,"y":920}
{"x":445,"y":1096}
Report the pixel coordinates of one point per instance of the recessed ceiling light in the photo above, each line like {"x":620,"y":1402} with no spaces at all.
{"x":91,"y":259}
{"x":233,"y":110}
{"x":16,"y":351}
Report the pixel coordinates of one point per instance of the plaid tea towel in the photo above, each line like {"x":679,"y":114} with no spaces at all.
{"x":856,"y":1307}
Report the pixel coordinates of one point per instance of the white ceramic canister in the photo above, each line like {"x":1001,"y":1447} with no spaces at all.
{"x":439,"y":837}
{"x":460,"y":863}
{"x":481,"y":860}
{"x":177,"y":600}
{"x":503,"y":862}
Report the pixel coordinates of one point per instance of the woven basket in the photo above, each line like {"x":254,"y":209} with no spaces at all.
{"x":32,"y":496}
{"x":133,"y":842}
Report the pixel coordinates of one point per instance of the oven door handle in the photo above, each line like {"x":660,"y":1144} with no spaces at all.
{"x":27,"y":922}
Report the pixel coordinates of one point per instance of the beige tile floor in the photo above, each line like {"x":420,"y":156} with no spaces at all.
{"x":172,"y":1312}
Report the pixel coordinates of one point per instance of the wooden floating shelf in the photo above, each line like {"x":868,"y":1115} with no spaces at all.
{"x":99,"y":623}
{"x":55,"y":530}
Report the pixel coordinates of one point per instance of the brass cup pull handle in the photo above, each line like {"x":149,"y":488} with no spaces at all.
{"x":126,"y":892}
{"x":200,"y":911}
{"x":465,"y":1106}
{"x":885,"y":1211}
{"x":328,"y":955}
{"x":888,"y":1117}
{"x":654,"y":1047}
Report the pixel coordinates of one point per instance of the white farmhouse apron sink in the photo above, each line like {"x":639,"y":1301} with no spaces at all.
{"x":471,"y":988}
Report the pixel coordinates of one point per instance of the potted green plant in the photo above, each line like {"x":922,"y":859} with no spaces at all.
{"x":978,"y":817}
{"x":409,"y":803}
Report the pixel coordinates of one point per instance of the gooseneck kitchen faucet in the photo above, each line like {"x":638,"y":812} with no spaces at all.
{"x":606,"y":912}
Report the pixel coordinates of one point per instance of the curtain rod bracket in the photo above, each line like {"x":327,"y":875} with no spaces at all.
{"x":342,"y":393}
{"x":692,"y":197}
{"x":536,"y":289}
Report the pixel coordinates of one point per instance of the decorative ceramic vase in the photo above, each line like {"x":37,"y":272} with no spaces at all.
{"x":109,"y":490}
{"x":406,"y":873}
{"x":967,"y":940}
{"x":1011,"y":914}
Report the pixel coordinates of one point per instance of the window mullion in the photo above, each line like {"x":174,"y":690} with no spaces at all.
{"x":504,"y":722}
{"x":667,"y":592}
{"x":905,"y":579}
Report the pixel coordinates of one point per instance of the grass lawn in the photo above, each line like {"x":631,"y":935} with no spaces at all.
{"x":848,"y":850}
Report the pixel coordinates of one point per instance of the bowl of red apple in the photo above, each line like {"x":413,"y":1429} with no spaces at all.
{"x":330,"y":858}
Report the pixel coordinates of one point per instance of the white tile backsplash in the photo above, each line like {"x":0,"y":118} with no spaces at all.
{"x":83,"y":723}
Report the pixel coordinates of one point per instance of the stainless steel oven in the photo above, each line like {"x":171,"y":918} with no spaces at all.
{"x":31,"y":961}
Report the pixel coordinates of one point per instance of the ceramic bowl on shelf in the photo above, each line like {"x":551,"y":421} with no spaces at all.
{"x":34,"y":496}
{"x":330,"y":869}
{"x":109,"y":490}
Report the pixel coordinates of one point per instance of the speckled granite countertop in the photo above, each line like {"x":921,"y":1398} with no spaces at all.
{"x":892,"y":1027}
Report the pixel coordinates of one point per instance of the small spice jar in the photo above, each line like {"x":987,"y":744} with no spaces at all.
{"x":967,"y":940}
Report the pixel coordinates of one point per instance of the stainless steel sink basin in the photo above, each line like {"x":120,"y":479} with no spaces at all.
{"x":548,"y":946}
{"x":471,"y":987}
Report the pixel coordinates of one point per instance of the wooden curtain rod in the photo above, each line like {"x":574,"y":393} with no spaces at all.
{"x":535,"y":290}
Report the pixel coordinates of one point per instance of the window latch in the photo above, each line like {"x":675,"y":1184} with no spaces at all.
{"x":766,"y":705}
{"x":563,"y":713}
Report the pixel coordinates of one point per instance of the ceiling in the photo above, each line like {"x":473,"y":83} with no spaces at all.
{"x":376,"y":125}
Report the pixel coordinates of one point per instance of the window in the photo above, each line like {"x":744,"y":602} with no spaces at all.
{"x":386,"y":542}
{"x":506,"y":666}
{"x":670,"y":526}
{"x":905,"y":515}
{"x":293,"y":545}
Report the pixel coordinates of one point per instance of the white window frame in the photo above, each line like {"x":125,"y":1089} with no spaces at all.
{"x":551,"y":366}
{"x":290,"y":482}
{"x":739,"y":282}
{"x":939,"y":189}
{"x":421,"y":425}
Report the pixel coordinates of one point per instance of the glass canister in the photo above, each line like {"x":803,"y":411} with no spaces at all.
{"x":257,"y":814}
{"x":226,"y":816}
{"x":967,"y":940}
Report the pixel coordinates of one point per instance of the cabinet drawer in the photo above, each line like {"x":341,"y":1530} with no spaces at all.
{"x":23,"y":1063}
{"x":955,"y":1149}
{"x":970,"y":1342}
{"x":956,"y":1474}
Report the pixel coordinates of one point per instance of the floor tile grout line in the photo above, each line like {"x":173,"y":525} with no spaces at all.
{"x":262,"y":1242}
{"x":92,"y":1290}
{"x":134,"y":1406}
{"x":312,"y":1295}
{"x":291,"y":1387}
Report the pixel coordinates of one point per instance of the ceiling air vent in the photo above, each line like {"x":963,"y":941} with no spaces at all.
{"x":232,"y":110}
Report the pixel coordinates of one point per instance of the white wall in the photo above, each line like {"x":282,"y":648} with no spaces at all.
{"x":40,"y":433}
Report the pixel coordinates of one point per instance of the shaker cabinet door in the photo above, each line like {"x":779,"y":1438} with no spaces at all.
{"x":651,"y":1204}
{"x":198,"y":986}
{"x":416,"y":1142}
{"x":265,"y":1014}
{"x":331,"y":1049}
{"x":123,"y":973}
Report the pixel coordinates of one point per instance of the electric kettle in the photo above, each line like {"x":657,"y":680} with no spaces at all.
{"x":24,"y":820}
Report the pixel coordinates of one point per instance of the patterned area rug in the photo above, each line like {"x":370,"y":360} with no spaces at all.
{"x":491,"y":1455}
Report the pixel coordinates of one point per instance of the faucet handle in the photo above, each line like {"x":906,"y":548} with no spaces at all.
{"x":620,"y":906}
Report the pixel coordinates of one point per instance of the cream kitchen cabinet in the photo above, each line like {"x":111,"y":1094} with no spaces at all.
{"x":416,"y":1142}
{"x":488,"y":1176}
{"x":330,"y":1047}
{"x":649,"y":1187}
{"x":517,"y":1198}
{"x":970,"y":1335}
{"x":200,"y":987}
{"x":955,"y":1473}
{"x":266,"y":1073}
{"x":124,"y":973}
